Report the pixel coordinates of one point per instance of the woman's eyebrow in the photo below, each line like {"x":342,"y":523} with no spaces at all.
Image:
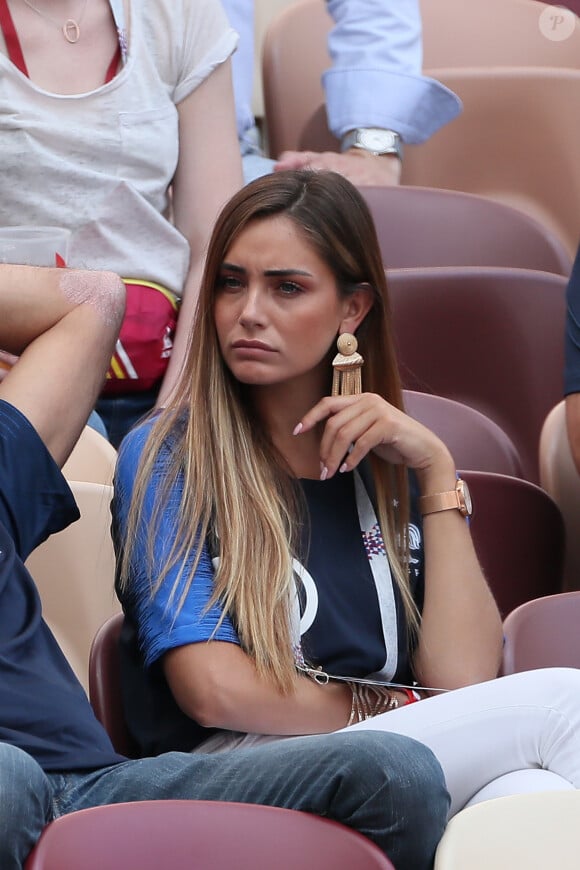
{"x":231,"y":267}
{"x":270,"y":273}
{"x":285,"y":273}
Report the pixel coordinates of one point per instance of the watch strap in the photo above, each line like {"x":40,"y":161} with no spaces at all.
{"x":440,"y":501}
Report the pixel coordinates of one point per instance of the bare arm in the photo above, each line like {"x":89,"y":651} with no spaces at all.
{"x":63,"y":324}
{"x":208,"y":173}
{"x":461,"y":634}
{"x":217,"y":685}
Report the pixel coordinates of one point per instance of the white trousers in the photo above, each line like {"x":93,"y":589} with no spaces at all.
{"x":506,"y":736}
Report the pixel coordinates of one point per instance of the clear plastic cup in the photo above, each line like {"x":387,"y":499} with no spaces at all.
{"x":34,"y":246}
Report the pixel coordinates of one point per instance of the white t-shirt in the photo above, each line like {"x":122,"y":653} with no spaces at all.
{"x":101,"y":163}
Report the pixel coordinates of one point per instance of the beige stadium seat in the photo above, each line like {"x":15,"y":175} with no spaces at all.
{"x":92,"y":459}
{"x":457,"y":33}
{"x":559,"y":477}
{"x":294,"y":101}
{"x":74,"y":571}
{"x":516,"y":142}
{"x":522,"y":832}
{"x":264,"y":12}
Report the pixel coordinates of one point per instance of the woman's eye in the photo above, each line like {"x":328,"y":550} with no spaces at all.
{"x":229,"y":282}
{"x":289,"y":288}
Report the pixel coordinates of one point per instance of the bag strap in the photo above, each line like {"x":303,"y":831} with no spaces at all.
{"x":11,"y":39}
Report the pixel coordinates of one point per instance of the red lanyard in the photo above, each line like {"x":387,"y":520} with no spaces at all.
{"x":15,"y":51}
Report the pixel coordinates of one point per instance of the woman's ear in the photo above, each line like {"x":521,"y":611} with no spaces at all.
{"x":356,"y":307}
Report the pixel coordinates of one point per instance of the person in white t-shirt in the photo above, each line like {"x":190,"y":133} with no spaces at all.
{"x":105,"y":106}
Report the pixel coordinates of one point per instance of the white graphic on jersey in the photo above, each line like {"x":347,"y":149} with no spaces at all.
{"x":305,"y":579}
{"x":414,"y":542}
{"x":305,"y":602}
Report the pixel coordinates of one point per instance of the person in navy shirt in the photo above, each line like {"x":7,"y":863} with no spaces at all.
{"x":294,"y":559}
{"x":54,"y":755}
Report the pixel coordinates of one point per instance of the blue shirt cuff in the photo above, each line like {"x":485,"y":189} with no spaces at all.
{"x":415,"y":107}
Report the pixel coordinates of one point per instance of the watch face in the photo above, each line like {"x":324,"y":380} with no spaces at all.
{"x":377,"y":140}
{"x":465,"y":497}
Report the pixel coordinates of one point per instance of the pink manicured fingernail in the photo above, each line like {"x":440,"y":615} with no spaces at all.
{"x":297,"y":429}
{"x":324,"y":473}
{"x":343,"y":468}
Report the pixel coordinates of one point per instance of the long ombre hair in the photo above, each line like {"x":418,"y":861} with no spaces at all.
{"x":236,"y":487}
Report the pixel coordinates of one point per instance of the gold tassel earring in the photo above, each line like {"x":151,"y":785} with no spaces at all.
{"x":347,"y":365}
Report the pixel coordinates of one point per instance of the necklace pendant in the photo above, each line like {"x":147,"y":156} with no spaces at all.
{"x":71,"y":31}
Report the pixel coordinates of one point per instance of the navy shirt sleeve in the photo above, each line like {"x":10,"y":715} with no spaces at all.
{"x":572,"y":338}
{"x":35,"y":500}
{"x":43,"y":708}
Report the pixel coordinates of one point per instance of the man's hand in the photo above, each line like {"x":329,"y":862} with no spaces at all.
{"x":360,"y":167}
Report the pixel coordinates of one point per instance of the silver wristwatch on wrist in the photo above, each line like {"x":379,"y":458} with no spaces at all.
{"x":375,"y":140}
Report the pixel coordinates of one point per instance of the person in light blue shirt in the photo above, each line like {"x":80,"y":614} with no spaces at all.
{"x":376,"y":49}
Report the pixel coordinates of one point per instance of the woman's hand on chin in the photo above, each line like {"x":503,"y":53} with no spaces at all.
{"x":356,"y":425}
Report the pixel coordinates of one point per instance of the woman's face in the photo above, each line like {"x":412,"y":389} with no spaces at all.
{"x":277,"y":308}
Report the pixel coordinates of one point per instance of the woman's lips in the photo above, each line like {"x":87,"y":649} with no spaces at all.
{"x":252,"y":345}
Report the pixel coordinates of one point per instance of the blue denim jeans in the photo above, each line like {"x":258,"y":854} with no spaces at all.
{"x":388,"y":787}
{"x":121,"y":413}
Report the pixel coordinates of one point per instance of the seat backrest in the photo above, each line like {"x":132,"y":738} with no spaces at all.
{"x":426,"y":226}
{"x":543,"y":633}
{"x":490,"y":338}
{"x":498,"y":33}
{"x":483,"y":33}
{"x":559,"y":477}
{"x":511,"y":119}
{"x":474,"y":440}
{"x":105,"y":691}
{"x":524,"y":830}
{"x":264,"y":12}
{"x":205,"y":835}
{"x":74,"y":571}
{"x":294,"y":101}
{"x":92,"y":459}
{"x":518,"y":535}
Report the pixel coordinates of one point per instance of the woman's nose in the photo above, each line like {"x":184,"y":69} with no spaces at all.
{"x":252,"y":313}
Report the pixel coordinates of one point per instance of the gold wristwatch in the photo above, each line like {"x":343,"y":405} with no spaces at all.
{"x":457,"y":499}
